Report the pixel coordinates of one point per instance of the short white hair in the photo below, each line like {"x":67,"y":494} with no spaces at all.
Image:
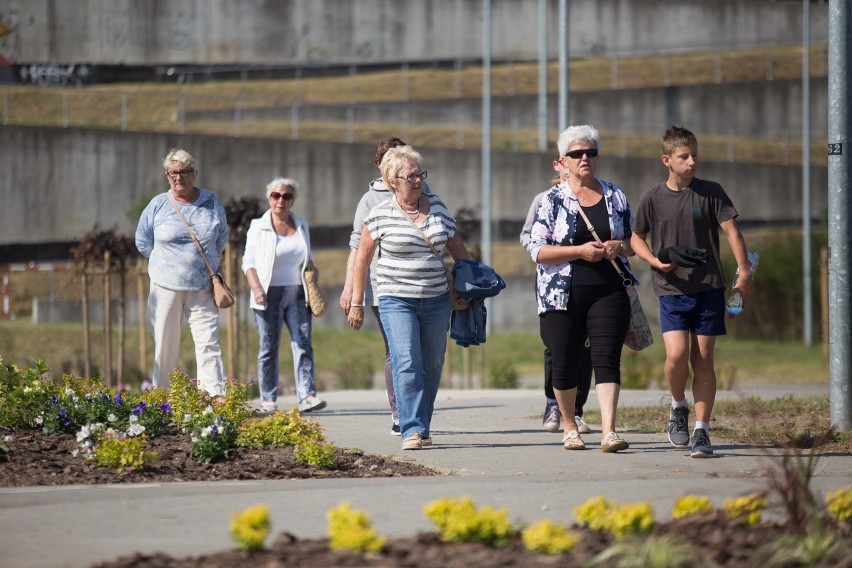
{"x":282,"y":182}
{"x":578,"y":133}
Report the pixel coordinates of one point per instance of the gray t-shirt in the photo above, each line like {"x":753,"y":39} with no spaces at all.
{"x":688,"y":218}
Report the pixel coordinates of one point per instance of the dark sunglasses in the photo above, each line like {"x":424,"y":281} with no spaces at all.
{"x":275,"y":196}
{"x":577,"y":154}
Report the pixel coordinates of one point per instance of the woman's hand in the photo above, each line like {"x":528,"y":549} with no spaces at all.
{"x":355,"y":317}
{"x":614,"y":249}
{"x":346,"y":298}
{"x":259,"y":296}
{"x":592,"y":252}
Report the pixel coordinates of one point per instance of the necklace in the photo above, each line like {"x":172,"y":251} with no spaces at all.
{"x":414,"y":213}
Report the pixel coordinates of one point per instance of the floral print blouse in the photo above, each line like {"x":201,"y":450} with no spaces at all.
{"x":555,"y":223}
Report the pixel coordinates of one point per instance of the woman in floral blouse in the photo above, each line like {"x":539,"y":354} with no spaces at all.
{"x":580,"y":293}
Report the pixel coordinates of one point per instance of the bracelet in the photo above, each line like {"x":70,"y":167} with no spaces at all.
{"x":356,"y":306}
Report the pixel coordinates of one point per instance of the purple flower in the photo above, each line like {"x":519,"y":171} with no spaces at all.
{"x":165,"y":408}
{"x":62,"y":412}
{"x":140,"y":409}
{"x":118,"y":401}
{"x":213,"y":430}
{"x":53,"y":399}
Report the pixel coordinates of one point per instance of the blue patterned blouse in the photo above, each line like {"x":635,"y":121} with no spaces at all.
{"x":555,"y":223}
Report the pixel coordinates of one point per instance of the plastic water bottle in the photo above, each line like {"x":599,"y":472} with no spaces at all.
{"x":735,"y":303}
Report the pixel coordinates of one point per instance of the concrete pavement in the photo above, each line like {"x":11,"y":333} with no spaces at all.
{"x":489,"y":442}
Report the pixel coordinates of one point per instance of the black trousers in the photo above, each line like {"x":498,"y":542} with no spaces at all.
{"x":601,"y":313}
{"x":584,"y":379}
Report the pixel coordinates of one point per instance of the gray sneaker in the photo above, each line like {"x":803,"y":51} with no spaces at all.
{"x":552,"y":418}
{"x":701,"y":447}
{"x":679,"y":427}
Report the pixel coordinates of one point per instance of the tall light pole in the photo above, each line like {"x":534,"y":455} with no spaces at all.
{"x":807,"y":315}
{"x":542,"y":75}
{"x":564,"y":108}
{"x":486,"y":132}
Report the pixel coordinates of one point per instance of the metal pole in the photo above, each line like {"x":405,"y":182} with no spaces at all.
{"x":563,"y":66}
{"x":486,"y":132}
{"x":123,"y":113}
{"x":839,"y":46}
{"x":807,"y":315}
{"x":542,"y":75}
{"x":5,"y":106}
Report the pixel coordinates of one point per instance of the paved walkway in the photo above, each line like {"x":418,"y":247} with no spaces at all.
{"x":491,"y":441}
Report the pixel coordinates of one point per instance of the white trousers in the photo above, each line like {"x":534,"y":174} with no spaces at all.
{"x":166,"y":310}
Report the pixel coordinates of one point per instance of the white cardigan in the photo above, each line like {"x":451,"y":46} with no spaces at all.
{"x":260,"y":251}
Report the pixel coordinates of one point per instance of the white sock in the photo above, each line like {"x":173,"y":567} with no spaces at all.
{"x":680,"y":403}
{"x":700,"y":424}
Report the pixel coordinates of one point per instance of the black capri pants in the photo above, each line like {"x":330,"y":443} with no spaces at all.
{"x":601,"y":313}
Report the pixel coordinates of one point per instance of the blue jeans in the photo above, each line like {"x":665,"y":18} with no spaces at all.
{"x":416,"y":329}
{"x":285,"y":304}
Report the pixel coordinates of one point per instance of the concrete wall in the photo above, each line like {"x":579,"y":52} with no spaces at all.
{"x":304,"y":32}
{"x":56,"y":184}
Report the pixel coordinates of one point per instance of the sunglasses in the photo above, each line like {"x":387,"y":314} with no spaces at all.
{"x":577,"y":154}
{"x":275,"y":196}
{"x":180,"y":173}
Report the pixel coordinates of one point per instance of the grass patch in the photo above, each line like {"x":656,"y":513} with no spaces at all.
{"x":788,"y":421}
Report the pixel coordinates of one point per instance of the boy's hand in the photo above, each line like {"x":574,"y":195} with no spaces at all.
{"x":745,"y":284}
{"x":664,"y":267}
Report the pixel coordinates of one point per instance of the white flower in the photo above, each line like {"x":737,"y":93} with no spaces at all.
{"x":111,"y":418}
{"x":69,"y":391}
{"x":84,"y":433}
{"x":187,"y":417}
{"x":27,"y":390}
{"x":133,"y":419}
{"x":208,"y":410}
{"x":206,"y":432}
{"x":76,"y":398}
{"x":8,"y":438}
{"x":39,"y":420}
{"x":75,"y":452}
{"x":135,"y":429}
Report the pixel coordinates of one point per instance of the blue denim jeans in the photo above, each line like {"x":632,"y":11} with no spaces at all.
{"x":416,"y":329}
{"x":285,"y":305}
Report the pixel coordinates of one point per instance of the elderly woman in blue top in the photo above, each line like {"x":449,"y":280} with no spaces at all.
{"x":180,"y":282}
{"x":414,"y":300}
{"x":580,"y":294}
{"x":278,"y":248}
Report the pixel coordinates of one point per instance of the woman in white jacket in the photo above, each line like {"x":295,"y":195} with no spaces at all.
{"x":278,"y":248}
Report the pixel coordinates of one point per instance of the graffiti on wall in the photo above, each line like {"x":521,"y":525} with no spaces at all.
{"x":55,"y":75}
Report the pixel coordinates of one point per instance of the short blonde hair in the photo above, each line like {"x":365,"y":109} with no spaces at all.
{"x":282,"y":182}
{"x":181,"y":157}
{"x":395,"y":159}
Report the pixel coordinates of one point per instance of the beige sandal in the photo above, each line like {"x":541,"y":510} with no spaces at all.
{"x":613,"y":443}
{"x":572,"y":441}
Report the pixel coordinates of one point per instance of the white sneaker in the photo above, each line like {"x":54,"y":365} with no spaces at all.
{"x":582,"y":427}
{"x":552,"y":418}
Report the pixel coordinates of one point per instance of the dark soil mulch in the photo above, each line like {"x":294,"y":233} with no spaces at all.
{"x":37,"y":458}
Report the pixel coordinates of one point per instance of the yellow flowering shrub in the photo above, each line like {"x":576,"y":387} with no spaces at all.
{"x":747,"y":509}
{"x":839,"y":504}
{"x":352,"y":530}
{"x":458,"y":520}
{"x":631,"y":518}
{"x":250,"y":527}
{"x":123,"y":453}
{"x":621,"y":519}
{"x":594,"y":513}
{"x":280,"y":429}
{"x":548,"y":537}
{"x":315,"y":452}
{"x":687,"y":505}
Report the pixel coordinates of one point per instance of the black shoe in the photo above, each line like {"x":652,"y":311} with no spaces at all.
{"x":395,"y":428}
{"x":679,"y":427}
{"x":701,"y":447}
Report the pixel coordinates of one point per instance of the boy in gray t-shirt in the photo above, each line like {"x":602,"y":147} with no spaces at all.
{"x":688,"y":212}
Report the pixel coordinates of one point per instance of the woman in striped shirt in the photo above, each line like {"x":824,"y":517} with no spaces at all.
{"x":414,"y":300}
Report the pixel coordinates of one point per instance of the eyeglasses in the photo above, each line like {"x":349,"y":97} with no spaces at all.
{"x":275,"y":196}
{"x":412,"y":177}
{"x":577,"y":154}
{"x":181,"y":173}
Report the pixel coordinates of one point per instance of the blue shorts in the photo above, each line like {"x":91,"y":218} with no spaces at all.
{"x":702,"y":313}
